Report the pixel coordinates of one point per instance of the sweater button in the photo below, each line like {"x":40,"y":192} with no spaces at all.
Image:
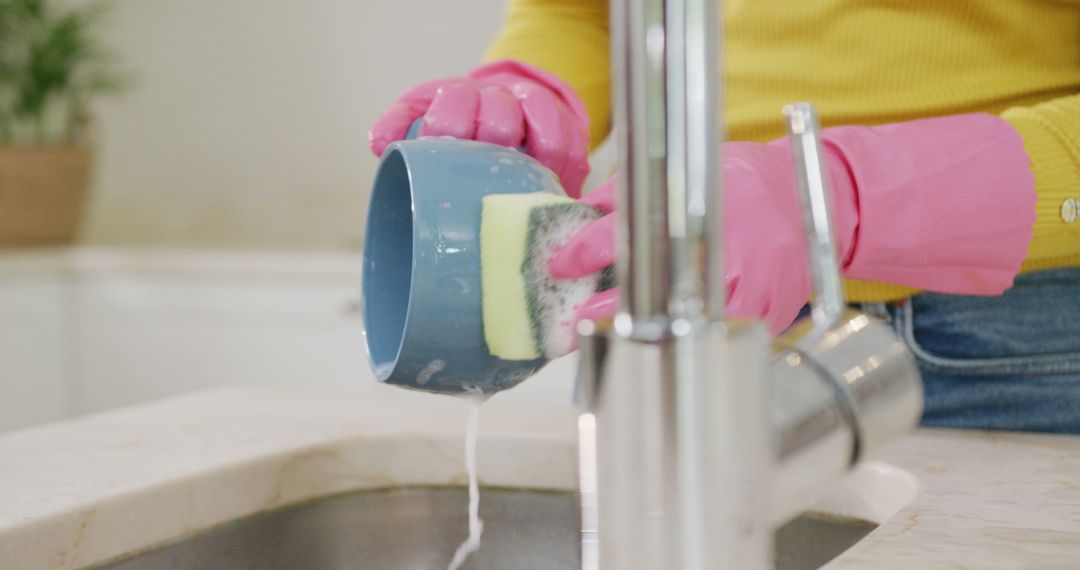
{"x":1070,"y":210}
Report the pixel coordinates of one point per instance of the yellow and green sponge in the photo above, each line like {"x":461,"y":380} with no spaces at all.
{"x":527,"y":313}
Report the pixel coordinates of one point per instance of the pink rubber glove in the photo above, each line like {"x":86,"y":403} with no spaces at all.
{"x":506,"y":102}
{"x":945,"y":204}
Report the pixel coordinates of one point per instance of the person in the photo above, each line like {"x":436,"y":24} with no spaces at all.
{"x":952,"y":145}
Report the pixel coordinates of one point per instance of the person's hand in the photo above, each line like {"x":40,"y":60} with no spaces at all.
{"x":507,"y":103}
{"x":765,"y":252}
{"x":944,"y":204}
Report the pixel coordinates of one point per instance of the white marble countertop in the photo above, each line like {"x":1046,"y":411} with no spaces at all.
{"x":85,"y":491}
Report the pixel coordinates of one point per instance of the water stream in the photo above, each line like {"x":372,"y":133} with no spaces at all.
{"x":476,"y":526}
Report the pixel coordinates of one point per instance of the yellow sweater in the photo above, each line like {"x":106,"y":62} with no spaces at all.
{"x":866,"y":63}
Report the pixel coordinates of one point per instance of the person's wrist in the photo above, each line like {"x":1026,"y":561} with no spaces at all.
{"x":843,"y":195}
{"x":845,"y":202}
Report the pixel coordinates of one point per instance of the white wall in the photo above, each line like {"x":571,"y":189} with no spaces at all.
{"x":247,"y":125}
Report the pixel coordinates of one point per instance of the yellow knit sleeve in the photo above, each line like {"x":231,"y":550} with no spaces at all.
{"x":1051,"y":133}
{"x":568,"y":38}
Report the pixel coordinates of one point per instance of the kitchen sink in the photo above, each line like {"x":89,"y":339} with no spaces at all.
{"x":419,"y":529}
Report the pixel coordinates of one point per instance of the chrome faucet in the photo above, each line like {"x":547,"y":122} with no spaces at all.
{"x":700,"y":435}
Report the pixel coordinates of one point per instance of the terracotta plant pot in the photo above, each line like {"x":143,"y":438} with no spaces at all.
{"x":42,"y":195}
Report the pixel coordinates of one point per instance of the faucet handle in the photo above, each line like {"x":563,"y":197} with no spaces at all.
{"x":828,"y":300}
{"x":874,"y":377}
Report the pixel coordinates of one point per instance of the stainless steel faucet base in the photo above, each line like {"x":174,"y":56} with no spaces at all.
{"x":668,"y":415}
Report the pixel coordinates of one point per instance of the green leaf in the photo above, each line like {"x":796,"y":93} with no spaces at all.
{"x":49,"y":59}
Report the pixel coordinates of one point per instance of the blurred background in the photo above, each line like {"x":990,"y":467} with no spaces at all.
{"x":246,"y":122}
{"x":217,"y":238}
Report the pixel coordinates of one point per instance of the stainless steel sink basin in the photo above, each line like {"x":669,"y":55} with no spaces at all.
{"x":419,"y":528}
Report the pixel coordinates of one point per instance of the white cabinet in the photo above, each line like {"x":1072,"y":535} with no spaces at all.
{"x":153,"y":326}
{"x":99,"y":329}
{"x":34,"y":339}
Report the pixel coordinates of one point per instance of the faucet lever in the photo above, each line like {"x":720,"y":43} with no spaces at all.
{"x":828,"y":303}
{"x":874,"y":377}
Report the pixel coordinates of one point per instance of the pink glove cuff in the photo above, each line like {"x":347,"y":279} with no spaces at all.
{"x":944,"y":204}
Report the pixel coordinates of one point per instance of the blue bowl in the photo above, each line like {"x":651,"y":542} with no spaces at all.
{"x":423,"y":315}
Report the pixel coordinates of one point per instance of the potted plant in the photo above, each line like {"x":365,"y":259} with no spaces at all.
{"x":51,"y":67}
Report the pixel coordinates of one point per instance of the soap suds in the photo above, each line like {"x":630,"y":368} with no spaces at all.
{"x":432,"y":368}
{"x":475,"y":398}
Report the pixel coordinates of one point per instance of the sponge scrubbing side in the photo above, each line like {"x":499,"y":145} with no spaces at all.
{"x":527,"y":313}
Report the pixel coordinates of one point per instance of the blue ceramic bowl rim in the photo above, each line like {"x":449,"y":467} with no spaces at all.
{"x":392,"y":152}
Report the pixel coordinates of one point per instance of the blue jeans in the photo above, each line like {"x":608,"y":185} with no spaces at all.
{"x":1010,"y":362}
